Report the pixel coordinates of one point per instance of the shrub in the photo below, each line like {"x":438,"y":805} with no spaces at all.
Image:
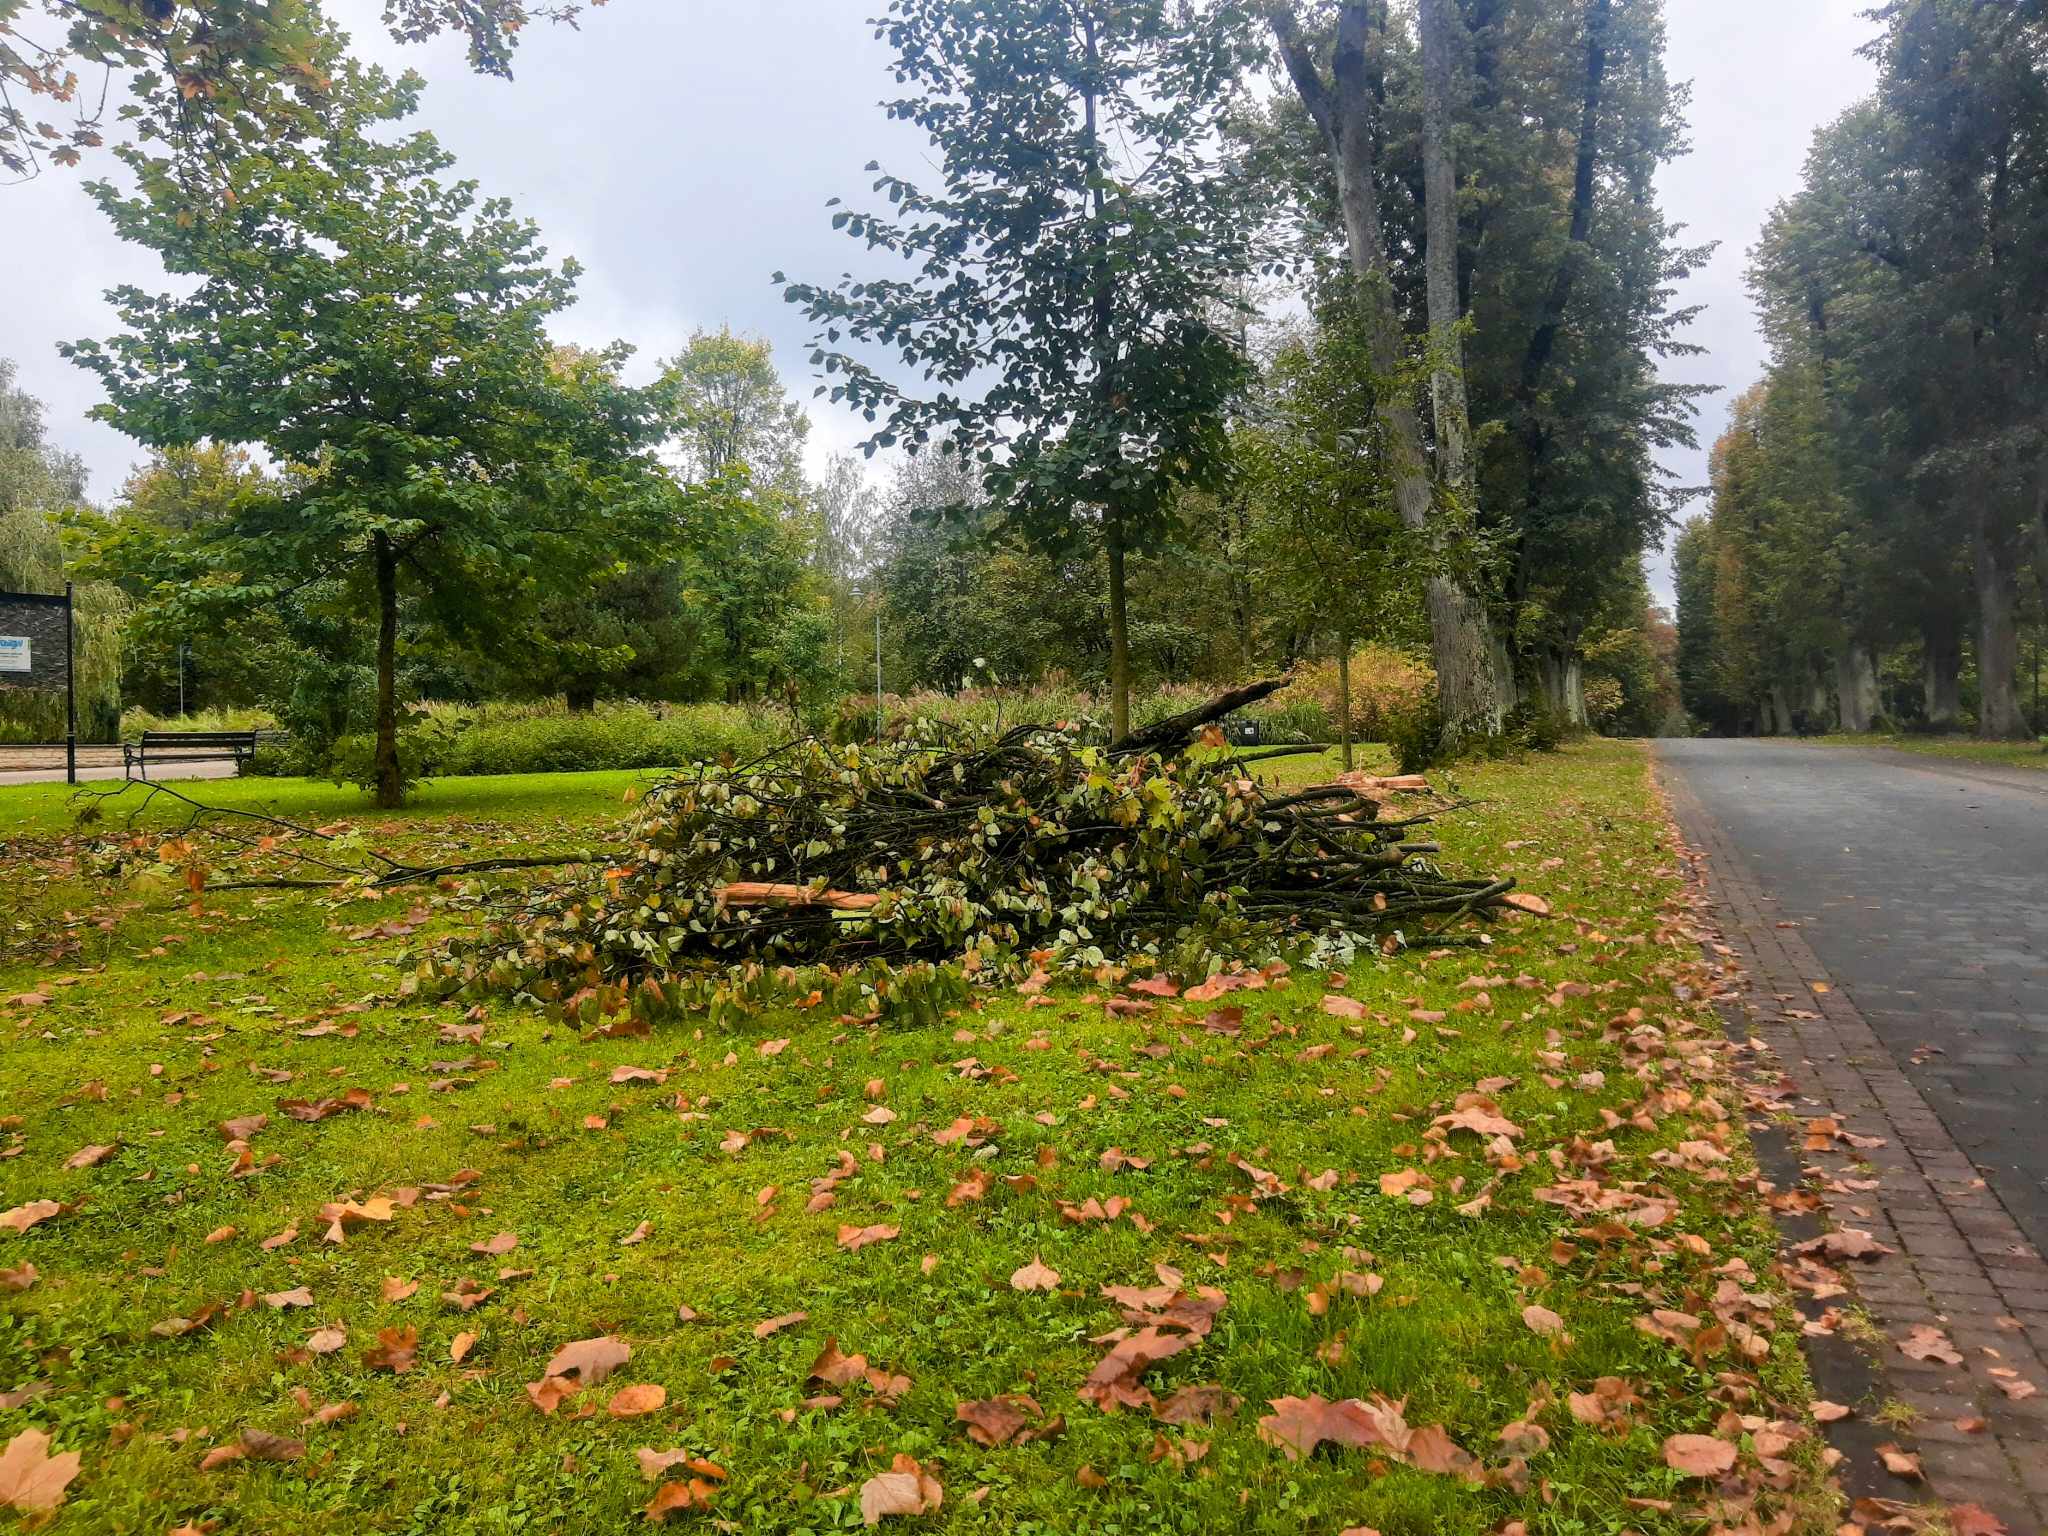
{"x":456,"y":740}
{"x":137,"y":720}
{"x":1387,"y":683}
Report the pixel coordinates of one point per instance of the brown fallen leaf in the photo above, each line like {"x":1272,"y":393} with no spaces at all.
{"x":777,"y":1324}
{"x":31,"y":1479}
{"x":1698,"y":1455}
{"x":1846,"y":1243}
{"x":261,"y":1445}
{"x":853,"y":1239}
{"x":1900,"y":1463}
{"x":1923,"y":1341}
{"x":1542,"y":1320}
{"x":1035,"y":1276}
{"x":298,"y":1296}
{"x":90,"y":1156}
{"x":697,"y":1493}
{"x":22,"y":1217}
{"x":993,"y":1421}
{"x":460,"y":1346}
{"x":1299,"y":1424}
{"x":496,"y":1247}
{"x":633,"y":1402}
{"x":590,"y":1360}
{"x":394,"y":1350}
{"x":905,"y":1489}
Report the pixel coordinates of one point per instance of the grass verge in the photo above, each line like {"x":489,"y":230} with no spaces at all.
{"x":1282,"y":1146}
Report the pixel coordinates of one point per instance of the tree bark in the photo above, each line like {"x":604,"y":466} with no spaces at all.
{"x":1119,"y":633}
{"x":1856,"y":699}
{"x":1941,"y":672}
{"x":1440,"y":220}
{"x":1344,"y":110}
{"x":1998,"y":642}
{"x":390,"y":781}
{"x":1344,"y":698}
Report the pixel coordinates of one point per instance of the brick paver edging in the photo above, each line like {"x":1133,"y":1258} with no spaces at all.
{"x":1961,"y":1264}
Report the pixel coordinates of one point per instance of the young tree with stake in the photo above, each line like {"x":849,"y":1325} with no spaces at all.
{"x":1064,"y":275}
{"x":355,"y":315}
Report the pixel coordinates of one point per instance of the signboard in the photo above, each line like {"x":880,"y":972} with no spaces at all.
{"x":15,"y":654}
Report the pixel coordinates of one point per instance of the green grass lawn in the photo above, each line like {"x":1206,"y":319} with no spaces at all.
{"x":668,"y":1191}
{"x":2013,"y":754}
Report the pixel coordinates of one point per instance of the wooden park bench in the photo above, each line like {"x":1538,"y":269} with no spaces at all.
{"x":161,"y":747}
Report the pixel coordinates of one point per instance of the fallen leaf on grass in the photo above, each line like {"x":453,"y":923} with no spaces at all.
{"x":460,"y":1346}
{"x":298,"y":1296}
{"x":853,"y":1239}
{"x":1035,"y":1276}
{"x":694,"y":1494}
{"x":261,"y":1445}
{"x":90,"y":1156}
{"x":22,"y":1217}
{"x":30,"y":1477}
{"x":496,"y":1247}
{"x":590,"y":1360}
{"x":906,"y":1489}
{"x":1698,"y":1455}
{"x":1299,"y":1424}
{"x":632,"y":1402}
{"x":777,"y":1324}
{"x":1542,"y":1320}
{"x":394,"y":1350}
{"x":994,"y":1421}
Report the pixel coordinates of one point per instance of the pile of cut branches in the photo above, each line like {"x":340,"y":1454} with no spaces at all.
{"x":1012,"y":851}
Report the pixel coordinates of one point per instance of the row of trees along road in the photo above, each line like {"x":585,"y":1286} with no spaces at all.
{"x":1884,"y":489}
{"x":1458,"y":194}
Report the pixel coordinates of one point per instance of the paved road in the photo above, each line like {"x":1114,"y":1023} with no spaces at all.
{"x":1922,"y":885}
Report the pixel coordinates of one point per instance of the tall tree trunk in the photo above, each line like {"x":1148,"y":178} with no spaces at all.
{"x":1119,"y":632}
{"x":1344,"y":110}
{"x":1468,"y":677}
{"x":1941,"y":671}
{"x":1103,"y":324}
{"x":1856,"y":699}
{"x":390,"y":782}
{"x":1998,"y":642}
{"x":1344,"y":697}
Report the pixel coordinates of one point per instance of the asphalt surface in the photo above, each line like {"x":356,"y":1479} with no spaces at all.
{"x":38,"y":766}
{"x":1921,"y":883}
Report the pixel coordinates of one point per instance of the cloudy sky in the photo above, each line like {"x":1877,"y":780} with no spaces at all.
{"x":683,"y":150}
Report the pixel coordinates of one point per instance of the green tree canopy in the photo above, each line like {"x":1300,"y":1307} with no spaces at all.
{"x":1058,"y":290}
{"x":352,"y":312}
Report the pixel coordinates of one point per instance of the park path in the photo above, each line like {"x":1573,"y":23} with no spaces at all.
{"x":45,"y":765}
{"x":1888,"y":916}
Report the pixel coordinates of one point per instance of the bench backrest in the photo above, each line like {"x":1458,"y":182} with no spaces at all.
{"x":199,"y":738}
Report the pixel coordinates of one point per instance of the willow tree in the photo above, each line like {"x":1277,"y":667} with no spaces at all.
{"x":350,"y":311}
{"x":1057,"y":292}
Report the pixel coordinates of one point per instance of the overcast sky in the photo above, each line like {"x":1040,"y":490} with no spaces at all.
{"x":684,"y":151}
